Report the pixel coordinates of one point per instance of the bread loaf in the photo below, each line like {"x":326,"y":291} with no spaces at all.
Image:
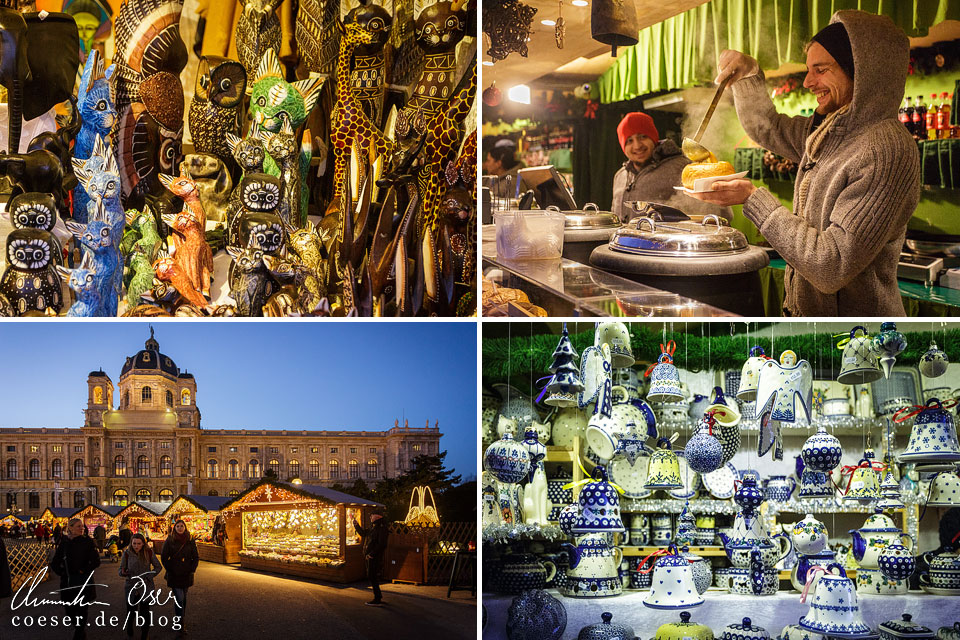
{"x":697,"y":170}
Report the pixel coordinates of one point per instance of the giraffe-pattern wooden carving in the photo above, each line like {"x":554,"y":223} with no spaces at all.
{"x":444,"y":134}
{"x":367,"y":77}
{"x":349,"y":125}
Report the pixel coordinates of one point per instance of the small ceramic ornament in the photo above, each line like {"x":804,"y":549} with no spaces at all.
{"x":933,"y":363}
{"x":889,"y":343}
{"x":896,"y":562}
{"x":890,"y":493}
{"x":809,"y":535}
{"x":563,"y":388}
{"x":616,"y":335}
{"x":859,"y":363}
{"x":664,"y":377}
{"x":834,"y":611}
{"x":216,"y":105}
{"x":672,"y":586}
{"x":945,"y":490}
{"x":786,"y":383}
{"x":535,"y":449}
{"x":821,"y":451}
{"x":536,"y":507}
{"x":599,"y":506}
{"x":933,"y":437}
{"x":750,"y":374}
{"x":664,"y":469}
{"x":703,"y":451}
{"x":864,"y":484}
{"x":507,"y":459}
{"x":29,"y":281}
{"x":536,"y":614}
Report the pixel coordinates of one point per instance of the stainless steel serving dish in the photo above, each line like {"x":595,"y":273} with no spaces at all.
{"x":585,"y":229}
{"x":711,"y":237}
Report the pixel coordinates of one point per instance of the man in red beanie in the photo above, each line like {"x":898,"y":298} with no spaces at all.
{"x":652,"y":170}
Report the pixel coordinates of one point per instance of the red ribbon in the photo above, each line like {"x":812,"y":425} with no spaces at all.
{"x":665,"y":350}
{"x":811,"y":574}
{"x":591,"y":111}
{"x":658,"y":552}
{"x":876,"y":465}
{"x":900,"y":416}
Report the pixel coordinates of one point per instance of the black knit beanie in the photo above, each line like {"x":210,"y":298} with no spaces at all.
{"x":835,"y":40}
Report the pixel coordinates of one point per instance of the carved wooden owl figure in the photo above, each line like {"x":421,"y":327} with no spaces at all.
{"x":36,"y":211}
{"x":257,"y":193}
{"x":30,"y":282}
{"x":215,"y":108}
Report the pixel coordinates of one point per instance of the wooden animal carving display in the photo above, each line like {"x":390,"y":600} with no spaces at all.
{"x":258,"y":29}
{"x":29,"y":282}
{"x":286,"y":152}
{"x":350,"y":127}
{"x":98,"y":116}
{"x":215,"y":108}
{"x":193,"y":258}
{"x":367,"y":77}
{"x":437,"y":30}
{"x":149,"y":98}
{"x":275,"y":101}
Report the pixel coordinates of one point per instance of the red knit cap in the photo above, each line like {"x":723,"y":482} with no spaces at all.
{"x":634,"y":123}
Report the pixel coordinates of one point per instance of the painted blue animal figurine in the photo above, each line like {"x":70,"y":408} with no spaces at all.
{"x":98,"y":115}
{"x":103,"y":260}
{"x":84,"y":285}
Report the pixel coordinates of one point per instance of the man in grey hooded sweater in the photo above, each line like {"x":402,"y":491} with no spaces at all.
{"x":859,"y":177}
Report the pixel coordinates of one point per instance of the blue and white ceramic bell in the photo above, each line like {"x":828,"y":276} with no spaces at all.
{"x":933,"y":437}
{"x":750,"y":375}
{"x":815,"y":484}
{"x":665,"y":378}
{"x":664,"y":469}
{"x":616,"y":335}
{"x":672,"y":586}
{"x":859,"y":364}
{"x":599,"y":506}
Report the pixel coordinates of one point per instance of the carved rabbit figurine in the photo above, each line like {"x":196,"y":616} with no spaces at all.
{"x":193,"y":257}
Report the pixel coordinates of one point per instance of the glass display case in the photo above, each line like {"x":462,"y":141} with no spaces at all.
{"x":306,"y":536}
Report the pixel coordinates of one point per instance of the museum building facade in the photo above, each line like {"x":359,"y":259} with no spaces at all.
{"x":152,"y":447}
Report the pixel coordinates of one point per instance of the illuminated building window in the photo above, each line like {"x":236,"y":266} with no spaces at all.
{"x":233,"y":470}
{"x":354,"y":469}
{"x":146,"y":395}
{"x":143,"y":467}
{"x":334,"y":467}
{"x":253,"y":469}
{"x":372,"y":468}
{"x":166,"y":467}
{"x":143,"y":494}
{"x":166,"y":495}
{"x":212,"y":468}
{"x":120,"y":497}
{"x":78,"y":468}
{"x":315,"y":469}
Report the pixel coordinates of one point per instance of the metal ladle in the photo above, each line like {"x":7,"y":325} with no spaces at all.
{"x":691,"y":147}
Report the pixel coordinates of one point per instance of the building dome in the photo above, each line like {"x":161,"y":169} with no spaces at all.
{"x":149,"y":360}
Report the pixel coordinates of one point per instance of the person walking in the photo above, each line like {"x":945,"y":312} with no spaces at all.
{"x":125,"y":534}
{"x":57,"y":533}
{"x":74,"y":561}
{"x":374,"y":546}
{"x":180,"y":558}
{"x":100,"y":537}
{"x":138,"y":565}
{"x":6,"y":586}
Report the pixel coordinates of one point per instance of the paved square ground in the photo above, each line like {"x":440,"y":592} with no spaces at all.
{"x":228,"y":602}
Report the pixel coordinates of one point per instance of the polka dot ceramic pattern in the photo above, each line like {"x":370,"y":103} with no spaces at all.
{"x":821,"y":451}
{"x":599,"y":509}
{"x":945,"y":490}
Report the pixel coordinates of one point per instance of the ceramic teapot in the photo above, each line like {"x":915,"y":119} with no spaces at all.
{"x":944,"y":570}
{"x":779,"y":488}
{"x":594,"y":568}
{"x":877,"y":533}
{"x":518,"y":572}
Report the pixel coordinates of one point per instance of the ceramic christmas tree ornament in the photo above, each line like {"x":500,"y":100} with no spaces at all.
{"x":889,"y":344}
{"x":703,"y":451}
{"x":933,"y":363}
{"x":564,"y":387}
{"x":821,"y":451}
{"x":507,"y":459}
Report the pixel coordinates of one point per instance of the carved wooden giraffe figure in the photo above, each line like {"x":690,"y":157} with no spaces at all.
{"x":350,"y":126}
{"x":443,"y":140}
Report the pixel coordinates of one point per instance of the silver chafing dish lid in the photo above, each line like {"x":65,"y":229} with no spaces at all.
{"x":646,"y":236}
{"x":590,"y":217}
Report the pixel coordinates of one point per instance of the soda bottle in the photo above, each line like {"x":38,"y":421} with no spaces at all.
{"x":931,"y":119}
{"x":920,"y":120}
{"x":906,"y":114}
{"x":943,"y":116}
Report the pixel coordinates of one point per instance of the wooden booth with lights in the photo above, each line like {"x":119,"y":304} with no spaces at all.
{"x":93,"y":516}
{"x":302,"y":530}
{"x":54,"y":516}
{"x":202,"y":516}
{"x":10,"y":521}
{"x":145,"y":518}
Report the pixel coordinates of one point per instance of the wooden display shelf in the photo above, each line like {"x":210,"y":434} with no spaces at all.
{"x":700,"y":551}
{"x":559,"y":454}
{"x":211,"y":552}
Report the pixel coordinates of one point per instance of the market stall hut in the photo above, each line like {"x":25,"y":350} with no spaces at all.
{"x":57,"y":515}
{"x":199,"y":513}
{"x":143,"y":517}
{"x":302,"y":530}
{"x":93,"y":515}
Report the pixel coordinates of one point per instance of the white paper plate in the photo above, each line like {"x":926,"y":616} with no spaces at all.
{"x":630,"y":478}
{"x":720,"y":482}
{"x":703,"y":184}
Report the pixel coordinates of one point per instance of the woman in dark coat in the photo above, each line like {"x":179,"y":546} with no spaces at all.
{"x":180,"y":559}
{"x":6,"y":588}
{"x":74,"y":561}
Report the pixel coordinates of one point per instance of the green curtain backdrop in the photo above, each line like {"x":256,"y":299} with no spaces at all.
{"x":682,"y":51}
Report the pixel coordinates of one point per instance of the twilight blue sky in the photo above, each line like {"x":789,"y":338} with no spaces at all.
{"x":264,"y":375}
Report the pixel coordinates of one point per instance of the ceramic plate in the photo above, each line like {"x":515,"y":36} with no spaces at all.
{"x":630,"y":478}
{"x":940,"y":592}
{"x":720,"y":482}
{"x":703,"y":184}
{"x":691,"y":480}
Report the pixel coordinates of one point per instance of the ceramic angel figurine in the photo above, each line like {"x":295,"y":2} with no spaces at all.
{"x":784,"y":383}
